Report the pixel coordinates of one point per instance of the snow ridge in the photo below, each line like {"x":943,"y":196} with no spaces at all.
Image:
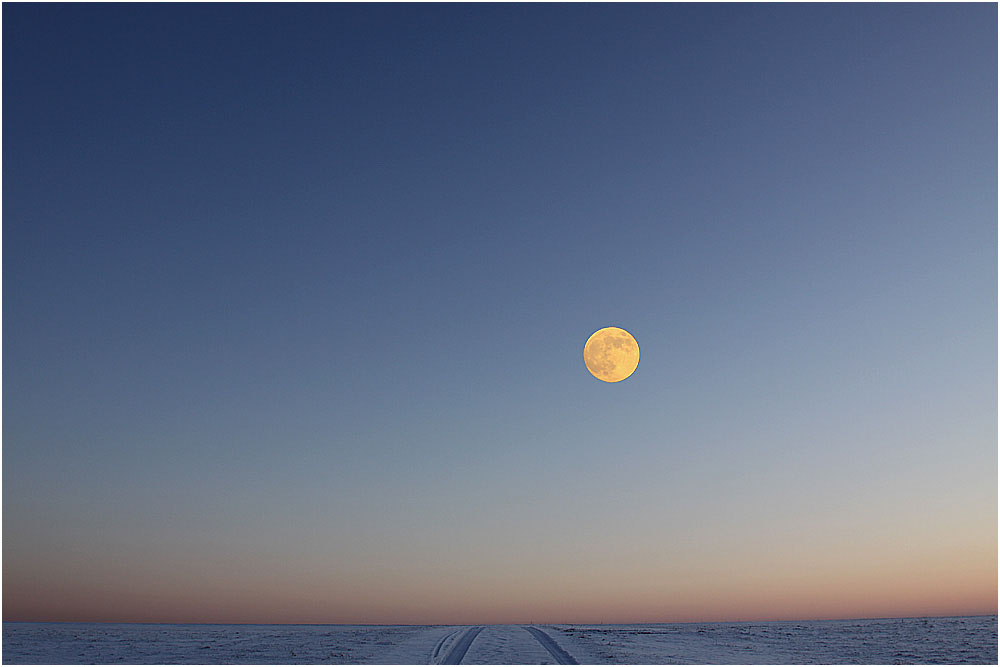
{"x":558,"y":654}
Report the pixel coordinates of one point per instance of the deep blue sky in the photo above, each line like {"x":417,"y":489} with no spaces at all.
{"x":295,"y":299}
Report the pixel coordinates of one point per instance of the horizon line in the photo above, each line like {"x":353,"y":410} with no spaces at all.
{"x":773,"y":620}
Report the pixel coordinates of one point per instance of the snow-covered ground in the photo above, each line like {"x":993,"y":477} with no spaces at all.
{"x":885,"y":641}
{"x":970,"y":639}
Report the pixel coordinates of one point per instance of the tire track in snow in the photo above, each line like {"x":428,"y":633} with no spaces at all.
{"x":435,"y":657}
{"x":558,"y":654}
{"x":458,"y":649}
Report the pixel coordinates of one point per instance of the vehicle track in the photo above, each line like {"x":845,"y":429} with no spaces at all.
{"x":558,"y":654}
{"x":436,"y":656}
{"x":459,"y":648}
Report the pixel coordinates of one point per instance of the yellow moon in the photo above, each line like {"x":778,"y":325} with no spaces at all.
{"x":611,"y":354}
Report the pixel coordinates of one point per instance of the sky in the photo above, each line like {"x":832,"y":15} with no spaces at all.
{"x":295,"y":300}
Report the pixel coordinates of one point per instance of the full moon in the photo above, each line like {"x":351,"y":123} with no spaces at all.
{"x":611,"y":354}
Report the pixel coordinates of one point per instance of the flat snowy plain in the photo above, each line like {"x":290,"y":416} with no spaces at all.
{"x":951,"y":640}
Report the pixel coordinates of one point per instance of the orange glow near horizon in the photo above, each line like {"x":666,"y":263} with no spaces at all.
{"x":638,"y":592}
